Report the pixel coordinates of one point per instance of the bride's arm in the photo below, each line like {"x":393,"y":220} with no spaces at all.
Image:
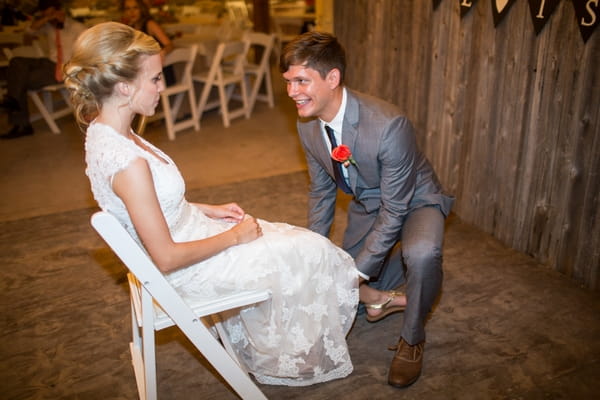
{"x":135,"y":186}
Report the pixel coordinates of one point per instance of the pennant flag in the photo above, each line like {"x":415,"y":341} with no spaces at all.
{"x":465,"y":6}
{"x":541,"y":10}
{"x":587,"y":13}
{"x":500,"y":8}
{"x":436,"y":3}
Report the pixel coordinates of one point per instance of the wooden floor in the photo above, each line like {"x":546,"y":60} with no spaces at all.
{"x":504,"y":327}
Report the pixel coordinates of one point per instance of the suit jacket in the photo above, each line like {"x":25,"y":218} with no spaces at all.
{"x":392,"y":177}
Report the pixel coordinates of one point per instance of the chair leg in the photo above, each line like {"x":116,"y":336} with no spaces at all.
{"x":168,"y":117}
{"x":137,"y":359}
{"x":245,"y":98}
{"x":202,"y":103}
{"x":216,"y":318}
{"x":254,"y":91}
{"x":193,"y":110}
{"x":254,"y":94}
{"x":260,"y":79}
{"x":224,"y":106}
{"x":142,"y":343}
{"x":148,"y":346}
{"x":269,"y":86}
{"x":218,"y":357}
{"x":44,"y":111}
{"x":177,"y":104}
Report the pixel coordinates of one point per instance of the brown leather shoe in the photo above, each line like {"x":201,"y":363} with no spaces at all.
{"x":406,"y":365}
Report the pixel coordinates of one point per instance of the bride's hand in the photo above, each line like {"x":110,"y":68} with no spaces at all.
{"x":230,"y":212}
{"x":247,"y":230}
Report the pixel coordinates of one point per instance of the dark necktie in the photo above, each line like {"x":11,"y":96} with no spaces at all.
{"x":337,"y":166}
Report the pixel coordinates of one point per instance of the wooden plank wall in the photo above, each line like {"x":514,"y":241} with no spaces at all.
{"x":510,"y":120}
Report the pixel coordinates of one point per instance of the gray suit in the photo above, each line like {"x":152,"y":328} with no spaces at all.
{"x":392,"y":181}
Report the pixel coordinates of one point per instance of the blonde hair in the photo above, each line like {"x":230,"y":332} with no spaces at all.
{"x":104,"y":55}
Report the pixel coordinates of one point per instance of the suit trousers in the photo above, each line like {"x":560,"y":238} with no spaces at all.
{"x":415,"y":261}
{"x":24,"y":74}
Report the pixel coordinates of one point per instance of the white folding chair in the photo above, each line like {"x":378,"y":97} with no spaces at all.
{"x":183,"y":58}
{"x":226,"y":73}
{"x":156,"y":305}
{"x":44,"y":98}
{"x":47,"y":105}
{"x":260,"y":72}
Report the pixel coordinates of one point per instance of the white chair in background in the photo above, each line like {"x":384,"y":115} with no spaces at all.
{"x":182,"y":58}
{"x":226,"y":73}
{"x":156,"y":305}
{"x":260,"y":71}
{"x":51,"y":107}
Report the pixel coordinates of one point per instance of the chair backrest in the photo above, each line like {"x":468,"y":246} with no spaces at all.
{"x":141,"y":265}
{"x":234,"y":54}
{"x":264,"y":40}
{"x":228,"y":59}
{"x":187,"y":57}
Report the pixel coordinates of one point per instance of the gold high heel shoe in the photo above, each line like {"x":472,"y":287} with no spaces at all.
{"x":384,"y":307}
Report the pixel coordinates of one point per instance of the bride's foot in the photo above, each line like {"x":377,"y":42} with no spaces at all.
{"x":389,"y":302}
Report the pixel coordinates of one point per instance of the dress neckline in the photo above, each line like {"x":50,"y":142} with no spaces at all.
{"x":147,"y":147}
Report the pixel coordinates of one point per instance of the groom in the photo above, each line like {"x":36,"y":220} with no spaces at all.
{"x":396,"y":196}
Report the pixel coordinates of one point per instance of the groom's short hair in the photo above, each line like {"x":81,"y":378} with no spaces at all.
{"x":320,"y":51}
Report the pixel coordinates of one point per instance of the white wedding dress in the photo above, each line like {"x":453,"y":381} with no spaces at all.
{"x":298,"y":337}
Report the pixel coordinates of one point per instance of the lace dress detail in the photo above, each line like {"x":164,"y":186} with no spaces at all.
{"x":297,"y":338}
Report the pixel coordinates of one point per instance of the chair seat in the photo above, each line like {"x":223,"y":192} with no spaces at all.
{"x":201,"y":308}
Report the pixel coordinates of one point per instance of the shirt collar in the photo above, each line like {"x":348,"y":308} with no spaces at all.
{"x":338,"y":121}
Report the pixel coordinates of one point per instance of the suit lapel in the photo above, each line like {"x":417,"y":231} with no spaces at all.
{"x":350,"y":133}
{"x":320,"y":147}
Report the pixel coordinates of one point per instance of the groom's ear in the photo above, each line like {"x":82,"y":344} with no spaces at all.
{"x":333,"y":78}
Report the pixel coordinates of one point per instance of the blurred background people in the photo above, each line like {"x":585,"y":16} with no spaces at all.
{"x":136,"y":14}
{"x":27,"y":73}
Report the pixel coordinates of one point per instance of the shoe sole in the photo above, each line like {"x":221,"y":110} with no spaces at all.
{"x":385,"y":313}
{"x":399,"y":386}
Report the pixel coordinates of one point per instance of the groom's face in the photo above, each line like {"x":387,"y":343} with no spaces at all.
{"x":313,"y":94}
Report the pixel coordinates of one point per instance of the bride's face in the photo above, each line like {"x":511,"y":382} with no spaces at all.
{"x":148,"y":84}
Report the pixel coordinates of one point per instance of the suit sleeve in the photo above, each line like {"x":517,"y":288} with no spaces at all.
{"x":397,"y":155}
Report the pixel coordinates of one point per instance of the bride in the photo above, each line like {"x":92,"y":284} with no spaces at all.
{"x":299,"y":336}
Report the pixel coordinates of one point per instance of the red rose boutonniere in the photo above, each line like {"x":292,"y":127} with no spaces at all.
{"x":342,"y":154}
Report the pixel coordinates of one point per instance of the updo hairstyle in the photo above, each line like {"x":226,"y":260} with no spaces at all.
{"x":104,"y":55}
